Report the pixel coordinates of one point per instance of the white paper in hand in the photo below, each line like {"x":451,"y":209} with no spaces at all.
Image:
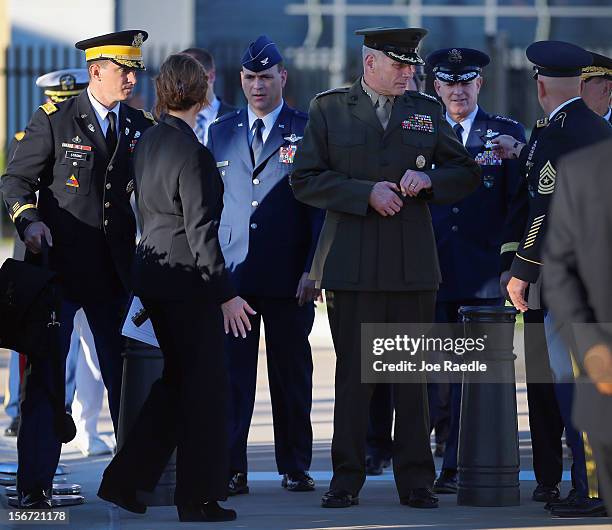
{"x":143,"y":333}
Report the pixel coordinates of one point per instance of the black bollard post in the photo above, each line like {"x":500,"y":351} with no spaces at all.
{"x":488,"y":459}
{"x":142,"y":366}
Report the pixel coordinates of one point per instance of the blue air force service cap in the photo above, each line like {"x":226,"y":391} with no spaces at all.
{"x":261,"y":55}
{"x":558,"y":59}
{"x":457,"y":65}
{"x":400,"y":44}
{"x":63,"y":84}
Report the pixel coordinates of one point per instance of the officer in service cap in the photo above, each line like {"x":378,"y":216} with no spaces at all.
{"x":569,"y":125}
{"x":63,"y":84}
{"x":597,"y":86}
{"x":368,"y":158}
{"x":76,"y":154}
{"x":255,"y":149}
{"x":468,"y":248}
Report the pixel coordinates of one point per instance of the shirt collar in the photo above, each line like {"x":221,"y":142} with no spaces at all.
{"x":210,"y":111}
{"x":372,"y":94}
{"x":607,"y":115}
{"x":101,"y":110}
{"x":268,"y":119}
{"x":561,"y":106}
{"x":466,"y":123}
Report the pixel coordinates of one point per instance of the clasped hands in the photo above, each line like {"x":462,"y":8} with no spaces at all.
{"x":384,"y":196}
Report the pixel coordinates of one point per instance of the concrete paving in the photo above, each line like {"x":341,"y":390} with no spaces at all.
{"x":269,"y":507}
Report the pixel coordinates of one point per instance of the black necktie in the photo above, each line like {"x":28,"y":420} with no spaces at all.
{"x":458,"y":131}
{"x":257,"y":142}
{"x":111,"y":132}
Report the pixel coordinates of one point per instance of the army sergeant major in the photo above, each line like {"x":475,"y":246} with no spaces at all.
{"x":76,"y":154}
{"x":367,"y":158}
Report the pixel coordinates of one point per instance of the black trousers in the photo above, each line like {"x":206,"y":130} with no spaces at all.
{"x":545,"y":421}
{"x":38,"y":445}
{"x":186,"y":408}
{"x":413,"y":465}
{"x":289,"y":361}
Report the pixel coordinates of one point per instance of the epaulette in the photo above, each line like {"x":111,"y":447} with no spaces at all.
{"x":49,"y":108}
{"x":227,"y":116}
{"x":19,"y":135}
{"x":339,"y":90}
{"x":425,"y":96}
{"x":542,"y":122}
{"x":504,"y":118}
{"x":148,"y":116}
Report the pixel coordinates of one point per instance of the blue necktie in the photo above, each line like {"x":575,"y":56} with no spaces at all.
{"x":458,"y":131}
{"x":257,"y":142}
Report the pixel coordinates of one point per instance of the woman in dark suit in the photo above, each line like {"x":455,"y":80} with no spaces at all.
{"x":180,"y":276}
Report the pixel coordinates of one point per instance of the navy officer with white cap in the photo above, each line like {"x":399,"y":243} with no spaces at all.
{"x":469,"y":232}
{"x":569,"y":125}
{"x":76,"y":155}
{"x":268,"y":240}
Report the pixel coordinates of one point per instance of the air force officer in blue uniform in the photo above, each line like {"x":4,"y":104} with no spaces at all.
{"x":268,"y":240}
{"x":469,"y":233}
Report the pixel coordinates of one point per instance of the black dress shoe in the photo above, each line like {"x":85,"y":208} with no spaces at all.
{"x":13,"y":428}
{"x":420,"y":498}
{"x":571,"y":496}
{"x":238,"y":484}
{"x":38,"y":499}
{"x":205,"y":511}
{"x":446,"y":482}
{"x":580,"y":507}
{"x":545,"y":493}
{"x":338,"y":499}
{"x":300,"y":481}
{"x":123,"y":498}
{"x":374,"y":466}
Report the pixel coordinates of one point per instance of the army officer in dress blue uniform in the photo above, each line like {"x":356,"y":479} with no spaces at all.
{"x":469,"y":232}
{"x":569,"y":126}
{"x":76,"y":154}
{"x":268,"y":240}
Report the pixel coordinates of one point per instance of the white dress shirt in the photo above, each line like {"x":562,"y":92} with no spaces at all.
{"x":102,"y":112}
{"x":204,"y":118}
{"x":466,"y":123}
{"x":268,"y":120}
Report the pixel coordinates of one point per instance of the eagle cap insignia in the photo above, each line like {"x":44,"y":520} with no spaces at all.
{"x":454,"y":56}
{"x":67,"y":82}
{"x":265,"y":61}
{"x":138,"y":40}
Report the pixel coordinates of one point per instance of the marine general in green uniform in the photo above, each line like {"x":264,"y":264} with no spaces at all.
{"x":368,"y":158}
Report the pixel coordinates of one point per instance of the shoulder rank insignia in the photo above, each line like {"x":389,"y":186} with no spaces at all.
{"x":49,"y":108}
{"x":428,"y":97}
{"x":148,"y":116}
{"x":339,"y":90}
{"x":504,"y":118}
{"x":548,"y":175}
{"x":19,"y":135}
{"x":542,"y":122}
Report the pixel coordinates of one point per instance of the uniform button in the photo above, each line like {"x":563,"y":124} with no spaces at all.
{"x":223,"y":172}
{"x":455,"y":209}
{"x":454,"y":228}
{"x":108,"y":185}
{"x":255,"y":181}
{"x":254,"y":203}
{"x":105,"y":222}
{"x":75,"y":164}
{"x":107,"y":205}
{"x":253,"y":226}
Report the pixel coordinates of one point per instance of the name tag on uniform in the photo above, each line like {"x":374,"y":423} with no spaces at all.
{"x":223,"y":163}
{"x":286,"y":154}
{"x":75,"y":155}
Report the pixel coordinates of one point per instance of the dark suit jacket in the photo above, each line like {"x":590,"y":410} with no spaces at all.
{"x":345,"y":152}
{"x":469,"y":233}
{"x":268,"y":237}
{"x":84,"y":194}
{"x":179,"y":199}
{"x":577,"y":267}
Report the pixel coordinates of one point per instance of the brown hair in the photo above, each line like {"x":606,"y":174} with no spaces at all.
{"x":180,"y":84}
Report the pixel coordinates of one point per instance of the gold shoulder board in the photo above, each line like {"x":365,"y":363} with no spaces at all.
{"x":19,"y":136}
{"x":49,"y":108}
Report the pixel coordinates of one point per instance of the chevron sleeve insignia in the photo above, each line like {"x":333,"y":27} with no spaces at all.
{"x":548,"y":176}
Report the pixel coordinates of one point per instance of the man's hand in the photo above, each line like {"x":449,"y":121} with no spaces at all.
{"x":413,"y":182}
{"x":598,"y":366}
{"x":506,"y":146}
{"x":235,"y":316}
{"x":504,"y":278}
{"x":384,"y":199}
{"x":33,"y":234}
{"x":306,"y":290}
{"x":516,"y":291}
